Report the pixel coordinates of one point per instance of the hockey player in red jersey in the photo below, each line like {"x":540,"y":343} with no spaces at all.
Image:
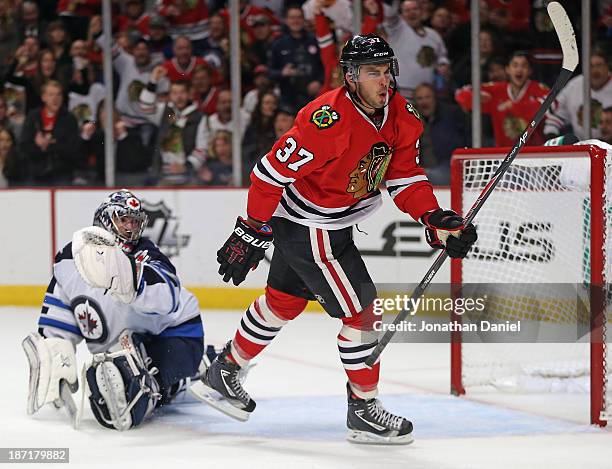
{"x":321,"y":178}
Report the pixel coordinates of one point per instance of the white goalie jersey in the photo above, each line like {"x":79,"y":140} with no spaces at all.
{"x":75,"y":311}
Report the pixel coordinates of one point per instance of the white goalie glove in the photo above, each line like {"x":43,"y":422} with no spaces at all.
{"x":103,"y":264}
{"x":53,"y":372}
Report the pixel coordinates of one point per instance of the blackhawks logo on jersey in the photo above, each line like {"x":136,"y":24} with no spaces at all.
{"x":324,"y":117}
{"x":370,"y":171}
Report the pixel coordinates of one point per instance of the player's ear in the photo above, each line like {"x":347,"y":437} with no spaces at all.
{"x":348,"y":78}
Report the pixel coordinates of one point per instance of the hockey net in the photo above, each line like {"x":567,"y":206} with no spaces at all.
{"x":545,"y":224}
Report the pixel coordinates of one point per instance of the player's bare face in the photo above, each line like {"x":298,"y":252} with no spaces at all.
{"x":372,"y":85}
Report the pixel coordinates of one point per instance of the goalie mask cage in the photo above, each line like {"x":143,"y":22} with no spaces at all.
{"x":546,"y":222}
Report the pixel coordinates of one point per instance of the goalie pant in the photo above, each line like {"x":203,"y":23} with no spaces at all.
{"x":315,"y":264}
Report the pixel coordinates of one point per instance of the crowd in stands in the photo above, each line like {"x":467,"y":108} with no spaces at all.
{"x":172,"y":104}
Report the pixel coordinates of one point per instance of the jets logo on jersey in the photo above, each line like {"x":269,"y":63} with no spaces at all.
{"x":411,"y":109}
{"x":89,"y":318}
{"x":370,"y":171}
{"x":324,"y":117}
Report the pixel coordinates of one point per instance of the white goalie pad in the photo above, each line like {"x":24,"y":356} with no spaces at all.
{"x":122,"y":383}
{"x":102,"y":263}
{"x":53,"y":372}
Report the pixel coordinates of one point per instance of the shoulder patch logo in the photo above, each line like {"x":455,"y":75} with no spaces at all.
{"x":411,"y":109}
{"x":324,"y":117}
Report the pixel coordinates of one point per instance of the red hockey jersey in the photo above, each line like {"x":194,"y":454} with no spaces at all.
{"x":325,"y":172}
{"x":510,"y":116}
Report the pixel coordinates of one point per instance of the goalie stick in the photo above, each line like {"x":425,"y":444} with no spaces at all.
{"x":567,"y":39}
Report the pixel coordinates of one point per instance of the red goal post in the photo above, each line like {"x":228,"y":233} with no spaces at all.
{"x":471,"y":169}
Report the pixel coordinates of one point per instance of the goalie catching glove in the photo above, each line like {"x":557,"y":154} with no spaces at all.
{"x":243,"y":250}
{"x":102,"y":263}
{"x":445,"y":230}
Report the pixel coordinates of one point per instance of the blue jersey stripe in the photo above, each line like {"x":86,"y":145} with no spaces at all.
{"x":50,"y":300}
{"x":184,"y":330}
{"x":46,"y":321}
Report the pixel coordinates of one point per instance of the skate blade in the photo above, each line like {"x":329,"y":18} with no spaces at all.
{"x":367,"y":438}
{"x":207,"y":395}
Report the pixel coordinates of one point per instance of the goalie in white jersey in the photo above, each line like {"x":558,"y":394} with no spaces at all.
{"x":117,"y":291}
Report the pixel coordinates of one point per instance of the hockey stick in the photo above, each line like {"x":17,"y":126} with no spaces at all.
{"x":567,"y":39}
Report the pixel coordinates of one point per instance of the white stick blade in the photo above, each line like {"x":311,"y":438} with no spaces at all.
{"x":565,"y":33}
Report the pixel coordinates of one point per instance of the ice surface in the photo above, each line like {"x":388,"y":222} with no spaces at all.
{"x":299,"y":421}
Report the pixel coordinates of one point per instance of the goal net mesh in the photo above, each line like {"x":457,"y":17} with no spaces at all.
{"x":534,"y":230}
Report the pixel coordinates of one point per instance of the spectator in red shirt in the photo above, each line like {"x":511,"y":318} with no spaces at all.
{"x":510,"y":15}
{"x":183,"y":64}
{"x":186,"y":18}
{"x":511,"y":104}
{"x":248,"y":14}
{"x":26,"y":58}
{"x":203,"y":93}
{"x":372,"y":17}
{"x":135,"y":18}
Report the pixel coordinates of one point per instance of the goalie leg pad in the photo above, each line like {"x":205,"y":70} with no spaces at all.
{"x":52,"y":362}
{"x":124,"y":391}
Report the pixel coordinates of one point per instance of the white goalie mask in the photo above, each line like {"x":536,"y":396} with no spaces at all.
{"x":122,"y":215}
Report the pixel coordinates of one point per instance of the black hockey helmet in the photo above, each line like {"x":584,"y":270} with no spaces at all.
{"x":367,"y":49}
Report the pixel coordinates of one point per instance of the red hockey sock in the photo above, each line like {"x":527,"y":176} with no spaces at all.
{"x":355,"y":343}
{"x":262,"y":321}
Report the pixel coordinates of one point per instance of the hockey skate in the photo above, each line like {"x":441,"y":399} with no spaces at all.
{"x":369,"y":423}
{"x":222,"y":385}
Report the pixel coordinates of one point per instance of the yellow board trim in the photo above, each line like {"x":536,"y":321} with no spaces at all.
{"x":208,"y":297}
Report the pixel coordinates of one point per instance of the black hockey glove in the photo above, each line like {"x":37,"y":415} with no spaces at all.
{"x":243,"y":250}
{"x":445,"y":230}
